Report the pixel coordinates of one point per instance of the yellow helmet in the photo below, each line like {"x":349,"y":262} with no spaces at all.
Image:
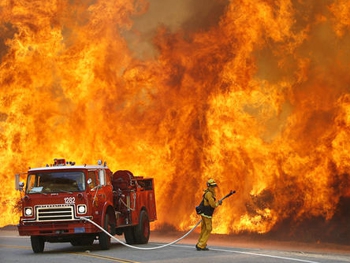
{"x":211,"y":182}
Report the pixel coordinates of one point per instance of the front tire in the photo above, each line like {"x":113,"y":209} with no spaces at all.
{"x":37,"y":243}
{"x":104,"y":239}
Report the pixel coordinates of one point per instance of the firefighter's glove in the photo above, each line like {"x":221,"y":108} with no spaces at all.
{"x":220,"y":202}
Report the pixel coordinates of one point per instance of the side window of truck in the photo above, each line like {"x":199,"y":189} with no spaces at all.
{"x":91,"y":180}
{"x":32,"y":182}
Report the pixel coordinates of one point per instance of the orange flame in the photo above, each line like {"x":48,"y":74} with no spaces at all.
{"x":254,"y":93}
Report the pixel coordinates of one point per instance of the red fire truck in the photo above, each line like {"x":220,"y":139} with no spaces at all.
{"x":57,"y":199}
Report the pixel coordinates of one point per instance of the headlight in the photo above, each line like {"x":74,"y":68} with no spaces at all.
{"x":81,"y":209}
{"x":28,"y":211}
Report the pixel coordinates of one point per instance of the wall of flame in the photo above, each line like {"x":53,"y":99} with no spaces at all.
{"x":254,"y":93}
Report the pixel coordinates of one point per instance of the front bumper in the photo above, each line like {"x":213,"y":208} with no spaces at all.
{"x":56,"y":228}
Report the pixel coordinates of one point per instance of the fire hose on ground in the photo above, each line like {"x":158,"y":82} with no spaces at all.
{"x":151,"y":248}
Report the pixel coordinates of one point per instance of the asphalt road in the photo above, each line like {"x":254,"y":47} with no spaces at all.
{"x":223,"y":249}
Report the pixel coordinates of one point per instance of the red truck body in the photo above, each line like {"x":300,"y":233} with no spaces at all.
{"x":58,"y":198}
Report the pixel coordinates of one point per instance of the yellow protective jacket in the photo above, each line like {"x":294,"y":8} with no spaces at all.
{"x":209,"y":202}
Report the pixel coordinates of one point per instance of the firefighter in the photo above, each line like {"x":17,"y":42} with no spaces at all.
{"x":210,"y":204}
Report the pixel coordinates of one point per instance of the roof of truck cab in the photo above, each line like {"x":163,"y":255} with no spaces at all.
{"x":69,"y":167}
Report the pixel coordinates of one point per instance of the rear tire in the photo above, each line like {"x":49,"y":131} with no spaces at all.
{"x":129,"y":235}
{"x":104,"y":239}
{"x":142,"y":230}
{"x":38,"y":244}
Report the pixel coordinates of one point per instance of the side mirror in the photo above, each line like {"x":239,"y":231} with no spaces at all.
{"x":102,"y":177}
{"x":18,"y":185}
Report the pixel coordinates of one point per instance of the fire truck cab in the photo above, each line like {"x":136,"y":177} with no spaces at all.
{"x":57,"y":200}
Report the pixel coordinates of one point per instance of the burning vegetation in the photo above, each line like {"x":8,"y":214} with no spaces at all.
{"x":254,"y":93}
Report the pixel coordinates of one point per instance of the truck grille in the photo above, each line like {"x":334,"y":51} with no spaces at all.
{"x":55,"y":212}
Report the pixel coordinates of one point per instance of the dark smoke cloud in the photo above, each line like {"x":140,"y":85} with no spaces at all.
{"x":184,"y":15}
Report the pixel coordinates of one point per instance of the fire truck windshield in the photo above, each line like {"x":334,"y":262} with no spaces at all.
{"x":55,"y":182}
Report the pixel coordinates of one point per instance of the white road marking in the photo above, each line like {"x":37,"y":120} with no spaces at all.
{"x":255,"y":254}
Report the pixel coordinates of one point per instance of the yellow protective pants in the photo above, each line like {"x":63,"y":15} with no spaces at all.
{"x":205,"y":232}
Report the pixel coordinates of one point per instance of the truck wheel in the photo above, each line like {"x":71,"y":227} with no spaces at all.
{"x":38,"y":244}
{"x":104,"y":239}
{"x":142,"y":230}
{"x":129,"y":235}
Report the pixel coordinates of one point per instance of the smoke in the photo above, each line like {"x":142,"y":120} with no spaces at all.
{"x":188,"y":16}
